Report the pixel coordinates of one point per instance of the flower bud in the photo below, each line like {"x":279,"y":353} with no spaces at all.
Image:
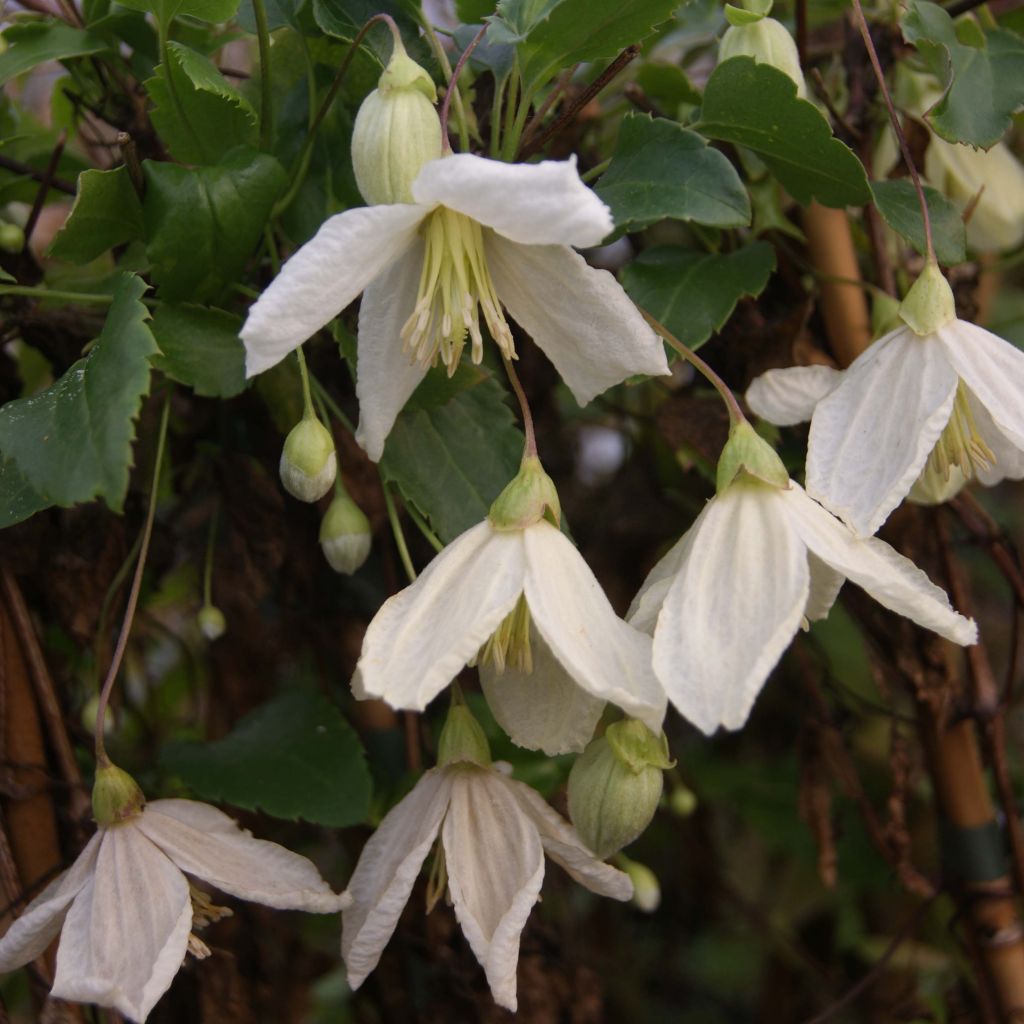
{"x":462,"y":739}
{"x":529,"y":497}
{"x":116,"y":796}
{"x":396,"y":132}
{"x":929,"y":304}
{"x":345,"y":535}
{"x":308,"y":463}
{"x":12,"y":237}
{"x":211,"y":621}
{"x":646,"y":889}
{"x":747,"y":452}
{"x":766,"y":40}
{"x":615,"y":786}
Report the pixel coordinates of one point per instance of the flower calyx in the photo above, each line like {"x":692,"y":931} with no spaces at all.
{"x":345,"y":535}
{"x":116,"y":796}
{"x":462,"y":739}
{"x":746,"y":453}
{"x":528,"y":497}
{"x":212,"y":623}
{"x":752,"y":34}
{"x":748,"y":13}
{"x":309,"y":464}
{"x":929,"y":304}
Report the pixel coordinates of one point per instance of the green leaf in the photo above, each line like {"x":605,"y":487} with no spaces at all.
{"x":204,"y":116}
{"x":107,"y":212}
{"x":200,"y":347}
{"x":452,"y":460}
{"x":73,"y":441}
{"x":756,"y":106}
{"x":18,"y":499}
{"x":982,"y":73}
{"x":694,"y":293}
{"x":32,"y":43}
{"x":659,"y":169}
{"x":344,"y":19}
{"x":202,"y":224}
{"x":897,"y":203}
{"x":295,"y":757}
{"x":214,"y":11}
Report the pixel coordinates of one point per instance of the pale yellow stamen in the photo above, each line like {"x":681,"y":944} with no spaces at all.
{"x":959,"y":444}
{"x":437,"y":881}
{"x":455,"y":285}
{"x":510,"y":644}
{"x":204,"y":910}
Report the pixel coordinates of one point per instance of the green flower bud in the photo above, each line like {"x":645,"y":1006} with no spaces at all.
{"x":396,"y":132}
{"x":529,"y":497}
{"x":308,"y":462}
{"x":766,"y":40}
{"x":929,"y":304}
{"x":747,"y":453}
{"x":345,"y":535}
{"x":116,"y":796}
{"x":211,"y":621}
{"x":646,"y":889}
{"x":462,"y":739}
{"x":682,"y":801}
{"x":12,"y":238}
{"x":615,"y":786}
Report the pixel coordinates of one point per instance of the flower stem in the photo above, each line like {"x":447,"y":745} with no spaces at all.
{"x":211,"y":543}
{"x":524,"y":407}
{"x":324,"y":396}
{"x":259,"y":11}
{"x":421,"y":524}
{"x":431,"y":31}
{"x":399,"y":535}
{"x":308,"y":409}
{"x":133,"y":594}
{"x":453,"y":84}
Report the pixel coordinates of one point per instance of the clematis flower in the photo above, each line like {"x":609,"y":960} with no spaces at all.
{"x":937,"y":395}
{"x":513,"y":576}
{"x":494,"y":833}
{"x":126,"y":908}
{"x":479,"y":236}
{"x":762,"y":557}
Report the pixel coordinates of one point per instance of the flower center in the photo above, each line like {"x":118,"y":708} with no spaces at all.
{"x":510,"y":644}
{"x":959,"y":444}
{"x":204,"y":912}
{"x":455,"y":285}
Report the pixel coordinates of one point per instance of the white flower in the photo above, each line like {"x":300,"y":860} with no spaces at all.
{"x":727,"y":599}
{"x":494,"y":833}
{"x":480,"y":235}
{"x":124,"y":909}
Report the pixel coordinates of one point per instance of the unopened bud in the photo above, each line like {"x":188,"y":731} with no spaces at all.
{"x":766,"y":40}
{"x":747,"y":453}
{"x":646,"y":889}
{"x":682,"y":801}
{"x":345,"y":535}
{"x":308,"y":462}
{"x":529,"y":497}
{"x":462,"y":739}
{"x":116,"y":796}
{"x":211,"y":621}
{"x":12,"y":237}
{"x":929,"y":304}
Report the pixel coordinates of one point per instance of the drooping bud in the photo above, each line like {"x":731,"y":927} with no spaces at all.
{"x":12,"y":237}
{"x":116,"y":797}
{"x":929,"y":304}
{"x":747,"y":453}
{"x":752,"y":34}
{"x":462,"y":739}
{"x":615,"y":786}
{"x":682,"y":801}
{"x":529,"y":497}
{"x":396,"y":132}
{"x":646,"y":888}
{"x":211,"y":621}
{"x":308,"y":462}
{"x":345,"y":535}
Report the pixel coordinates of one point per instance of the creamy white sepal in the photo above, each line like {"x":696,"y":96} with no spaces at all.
{"x":423,"y":636}
{"x":645,"y":607}
{"x":1009,"y":459}
{"x":825,"y":586}
{"x":536,"y":204}
{"x":605,"y":655}
{"x":126,"y":934}
{"x":891,"y":579}
{"x":323,"y":277}
{"x":205,"y":843}
{"x":733,"y":607}
{"x":544,"y":709}
{"x":387,"y":869}
{"x":788,"y":396}
{"x":385,"y":375}
{"x":578,"y":316}
{"x":871,"y":435}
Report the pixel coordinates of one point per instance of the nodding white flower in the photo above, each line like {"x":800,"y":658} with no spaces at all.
{"x":494,"y":833}
{"x":762,"y":557}
{"x":943,"y":397}
{"x":126,"y":908}
{"x":481,"y":235}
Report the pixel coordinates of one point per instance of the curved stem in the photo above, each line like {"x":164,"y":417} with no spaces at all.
{"x":308,"y":409}
{"x":259,"y":11}
{"x":431,"y":31}
{"x":524,"y":407}
{"x":453,"y":84}
{"x":324,"y":396}
{"x":399,"y":535}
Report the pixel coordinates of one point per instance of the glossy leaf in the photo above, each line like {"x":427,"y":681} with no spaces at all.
{"x":214,"y":11}
{"x":107,"y":212}
{"x":32,"y":43}
{"x":200,"y":347}
{"x":18,"y":499}
{"x":898,"y":204}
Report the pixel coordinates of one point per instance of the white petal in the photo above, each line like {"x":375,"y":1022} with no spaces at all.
{"x":126,"y":933}
{"x":323,"y":277}
{"x":230,"y":859}
{"x":643,"y":612}
{"x":1008,"y":459}
{"x":733,"y":608}
{"x":38,"y":924}
{"x":544,"y":709}
{"x":871,"y":436}
{"x":495,"y":869}
{"x":606,"y":656}
{"x":579,"y":316}
{"x":536,"y":204}
{"x":385,"y":376}
{"x":825,"y":586}
{"x":387,"y":870}
{"x":423,"y":636}
{"x":891,"y":579}
{"x":993,"y":369}
{"x":564,"y":847}
{"x":788,"y":396}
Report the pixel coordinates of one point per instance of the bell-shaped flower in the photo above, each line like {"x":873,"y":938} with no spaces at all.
{"x":762,"y":557}
{"x":494,"y":833}
{"x":513,"y":577}
{"x":937,"y":395}
{"x":480,"y":235}
{"x":126,"y":908}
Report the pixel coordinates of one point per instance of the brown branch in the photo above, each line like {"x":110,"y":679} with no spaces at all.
{"x":44,"y":186}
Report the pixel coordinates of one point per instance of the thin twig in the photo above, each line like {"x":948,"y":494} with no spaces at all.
{"x":530,"y":449}
{"x":44,"y":186}
{"x":453,"y":83}
{"x":556,"y":92}
{"x":19,"y":167}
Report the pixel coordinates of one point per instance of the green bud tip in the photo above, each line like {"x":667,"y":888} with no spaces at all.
{"x":402,"y":72}
{"x":529,"y":497}
{"x":308,"y":461}
{"x":462,"y":739}
{"x":646,"y":888}
{"x":116,"y":797}
{"x":345,"y":535}
{"x":211,"y":621}
{"x":929,"y":304}
{"x":747,"y":453}
{"x":750,"y":12}
{"x":637,"y":747}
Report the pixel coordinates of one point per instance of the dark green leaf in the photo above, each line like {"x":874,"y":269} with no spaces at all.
{"x":279,"y":14}
{"x":897,"y":203}
{"x":659,"y":169}
{"x":107,"y":212}
{"x":32,"y":43}
{"x":295,"y":757}
{"x":344,"y":18}
{"x":165,"y":10}
{"x":756,"y":106}
{"x":203,"y":224}
{"x":667,"y":86}
{"x":694,"y":293}
{"x":473,"y":12}
{"x":200,"y":347}
{"x":18,"y":499}
{"x":983,"y":74}
{"x":73,"y":441}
